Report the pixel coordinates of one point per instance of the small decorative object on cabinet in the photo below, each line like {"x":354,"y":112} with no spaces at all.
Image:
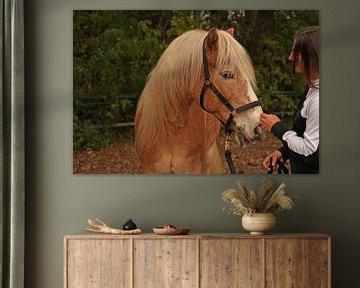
{"x":100,"y":227}
{"x":197,"y":260}
{"x":169,"y":229}
{"x":129,"y":225}
{"x":258,"y":211}
{"x":258,"y":223}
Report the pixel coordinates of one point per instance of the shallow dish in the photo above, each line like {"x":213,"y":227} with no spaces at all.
{"x":171,"y":231}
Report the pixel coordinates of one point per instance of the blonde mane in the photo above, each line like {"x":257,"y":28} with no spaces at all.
{"x":174,"y":77}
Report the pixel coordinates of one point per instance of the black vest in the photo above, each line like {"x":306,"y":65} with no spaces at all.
{"x":301,"y":164}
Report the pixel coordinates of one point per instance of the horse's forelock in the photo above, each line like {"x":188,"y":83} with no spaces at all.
{"x":233,"y":57}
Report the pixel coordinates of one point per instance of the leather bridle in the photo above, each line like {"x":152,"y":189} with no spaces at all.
{"x":208,"y":84}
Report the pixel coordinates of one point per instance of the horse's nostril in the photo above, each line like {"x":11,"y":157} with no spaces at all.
{"x":257,"y":132}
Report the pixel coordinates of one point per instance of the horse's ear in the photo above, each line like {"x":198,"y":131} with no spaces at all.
{"x":211,"y":41}
{"x":230,"y":31}
{"x":211,"y":46}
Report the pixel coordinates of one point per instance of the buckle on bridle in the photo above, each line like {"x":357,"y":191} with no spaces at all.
{"x":207,"y":81}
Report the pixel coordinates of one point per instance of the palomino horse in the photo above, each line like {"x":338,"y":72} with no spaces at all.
{"x":194,"y":88}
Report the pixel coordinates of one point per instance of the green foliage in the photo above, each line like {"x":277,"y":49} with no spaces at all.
{"x":87,"y":135}
{"x":114,"y":51}
{"x":273,"y":70}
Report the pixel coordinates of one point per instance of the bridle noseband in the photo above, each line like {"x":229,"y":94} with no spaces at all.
{"x":208,"y":84}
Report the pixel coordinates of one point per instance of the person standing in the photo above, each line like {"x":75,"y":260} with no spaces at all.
{"x":301,"y":143}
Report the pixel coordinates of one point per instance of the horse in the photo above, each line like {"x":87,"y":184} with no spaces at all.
{"x":199,"y":79}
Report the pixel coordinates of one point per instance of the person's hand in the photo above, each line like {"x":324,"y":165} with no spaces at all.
{"x":275,"y":156}
{"x":268,"y":120}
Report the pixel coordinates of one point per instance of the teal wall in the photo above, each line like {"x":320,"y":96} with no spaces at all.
{"x":58,"y":203}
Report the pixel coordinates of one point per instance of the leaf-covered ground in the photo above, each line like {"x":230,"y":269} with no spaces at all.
{"x":121,"y":158}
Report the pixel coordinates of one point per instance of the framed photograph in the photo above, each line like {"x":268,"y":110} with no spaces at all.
{"x":195,"y":91}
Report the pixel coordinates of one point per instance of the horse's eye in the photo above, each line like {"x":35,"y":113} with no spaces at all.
{"x":227,"y":74}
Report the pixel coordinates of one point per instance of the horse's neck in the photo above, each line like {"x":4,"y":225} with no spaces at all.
{"x":200,"y":125}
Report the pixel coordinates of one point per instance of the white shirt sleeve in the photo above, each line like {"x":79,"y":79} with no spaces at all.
{"x":309,"y":143}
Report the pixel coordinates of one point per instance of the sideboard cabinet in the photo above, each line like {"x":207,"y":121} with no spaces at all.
{"x":197,"y":260}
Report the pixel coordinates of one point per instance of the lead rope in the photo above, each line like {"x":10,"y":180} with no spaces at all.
{"x":282,"y":169}
{"x":227,"y":146}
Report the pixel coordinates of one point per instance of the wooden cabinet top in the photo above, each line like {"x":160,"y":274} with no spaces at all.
{"x":200,"y":236}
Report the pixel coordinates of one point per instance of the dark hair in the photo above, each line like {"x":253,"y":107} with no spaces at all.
{"x":306,"y":43}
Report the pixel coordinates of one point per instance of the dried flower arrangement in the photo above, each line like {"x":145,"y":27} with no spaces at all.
{"x":247,"y":202}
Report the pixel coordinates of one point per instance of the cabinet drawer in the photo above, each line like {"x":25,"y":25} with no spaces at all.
{"x":98,"y":263}
{"x":165,"y":263}
{"x":229,"y":263}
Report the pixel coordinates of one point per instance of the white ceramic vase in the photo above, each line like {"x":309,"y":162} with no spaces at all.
{"x":259,"y":223}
